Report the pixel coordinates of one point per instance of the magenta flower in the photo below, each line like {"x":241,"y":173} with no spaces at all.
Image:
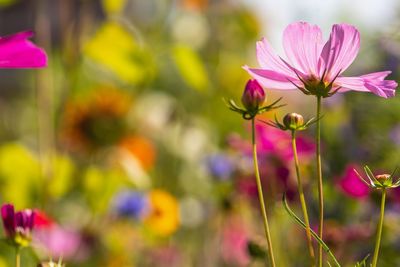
{"x":351,"y":185}
{"x":316,"y":68}
{"x":16,"y":51}
{"x":277,"y":142}
{"x":17,"y":225}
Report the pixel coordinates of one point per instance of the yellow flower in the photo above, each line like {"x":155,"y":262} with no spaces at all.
{"x":163,"y":218}
{"x":115,"y":48}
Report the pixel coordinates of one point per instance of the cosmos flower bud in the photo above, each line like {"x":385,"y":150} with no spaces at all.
{"x":253,"y":96}
{"x":293,"y":121}
{"x":384,"y":179}
{"x":381,"y":181}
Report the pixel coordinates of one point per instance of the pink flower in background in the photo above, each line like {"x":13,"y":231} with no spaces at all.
{"x":351,"y":185}
{"x":56,"y":242}
{"x":234,"y":243}
{"x":16,"y":51}
{"x":53,"y":240}
{"x":315,"y":67}
{"x":165,"y":256}
{"x":274,"y":141}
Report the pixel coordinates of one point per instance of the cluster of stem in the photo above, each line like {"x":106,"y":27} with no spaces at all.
{"x":294,"y":122}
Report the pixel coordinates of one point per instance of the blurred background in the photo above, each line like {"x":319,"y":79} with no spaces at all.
{"x":127,"y":151}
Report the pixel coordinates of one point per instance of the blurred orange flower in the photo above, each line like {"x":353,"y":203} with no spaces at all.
{"x":141,"y":148}
{"x":195,"y":4}
{"x":96,"y":121}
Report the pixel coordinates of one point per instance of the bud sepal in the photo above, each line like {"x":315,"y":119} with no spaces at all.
{"x":250,"y":114}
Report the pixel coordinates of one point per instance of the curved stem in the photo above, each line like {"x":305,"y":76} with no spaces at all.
{"x":320,"y":184}
{"x":17,"y":256}
{"x":302,"y":199}
{"x":261,"y":196}
{"x":379,"y":230}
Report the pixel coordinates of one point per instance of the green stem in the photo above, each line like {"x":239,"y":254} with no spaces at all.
{"x":261,"y":196}
{"x":379,"y":230}
{"x":320,"y":184}
{"x":302,"y":199}
{"x":17,"y":256}
{"x":300,"y":222}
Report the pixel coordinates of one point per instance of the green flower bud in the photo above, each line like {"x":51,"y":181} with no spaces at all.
{"x":384,"y":179}
{"x":293,"y":121}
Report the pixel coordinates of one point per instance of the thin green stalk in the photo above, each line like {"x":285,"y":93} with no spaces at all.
{"x":302,"y":199}
{"x":300,"y":222}
{"x":17,"y":256}
{"x":320,"y":184}
{"x":379,"y":230}
{"x":261,"y":196}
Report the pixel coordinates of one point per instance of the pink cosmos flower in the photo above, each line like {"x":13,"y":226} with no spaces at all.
{"x":16,"y":51}
{"x":351,"y":185}
{"x":316,"y":68}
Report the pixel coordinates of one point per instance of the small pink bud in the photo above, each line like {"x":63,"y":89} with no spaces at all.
{"x":253,"y":95}
{"x":382,"y":177}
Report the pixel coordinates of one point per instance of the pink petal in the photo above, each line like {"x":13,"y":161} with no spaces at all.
{"x":272,"y":80}
{"x":351,"y":84}
{"x":377,"y":75}
{"x":373,"y":82}
{"x":340,"y":50}
{"x":16,"y":51}
{"x":303,"y":44}
{"x":16,"y":36}
{"x":268,"y":59}
{"x":376,"y":83}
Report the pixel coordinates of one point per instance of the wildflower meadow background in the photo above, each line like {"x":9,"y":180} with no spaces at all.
{"x":118,"y":147}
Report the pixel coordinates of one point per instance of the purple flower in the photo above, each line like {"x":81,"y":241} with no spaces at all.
{"x":314,"y":67}
{"x":220,"y":166}
{"x":18,"y":225}
{"x":129,"y":203}
{"x":16,"y":51}
{"x":253,"y":95}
